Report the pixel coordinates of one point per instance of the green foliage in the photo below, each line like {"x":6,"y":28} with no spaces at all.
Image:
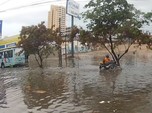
{"x":74,"y":31}
{"x":145,"y":38}
{"x":109,"y":16}
{"x":86,"y":37}
{"x":148,"y":16}
{"x":37,"y":39}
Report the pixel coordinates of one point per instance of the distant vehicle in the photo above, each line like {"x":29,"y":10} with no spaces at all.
{"x":11,"y":57}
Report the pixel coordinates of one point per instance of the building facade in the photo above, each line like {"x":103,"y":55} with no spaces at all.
{"x":8,"y":42}
{"x":57,"y":18}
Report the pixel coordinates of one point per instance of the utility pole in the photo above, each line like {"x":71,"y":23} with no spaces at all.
{"x":59,"y":45}
{"x":72,"y":45}
{"x":65,"y":50}
{"x":0,"y":28}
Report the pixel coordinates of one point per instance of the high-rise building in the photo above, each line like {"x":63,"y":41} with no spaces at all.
{"x":56,"y":16}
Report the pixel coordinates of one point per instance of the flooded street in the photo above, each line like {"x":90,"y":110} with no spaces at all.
{"x":79,"y":88}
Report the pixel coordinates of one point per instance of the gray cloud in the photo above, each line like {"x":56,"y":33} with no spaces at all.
{"x":143,"y":5}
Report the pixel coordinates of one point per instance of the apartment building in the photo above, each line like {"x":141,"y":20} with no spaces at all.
{"x":56,"y":16}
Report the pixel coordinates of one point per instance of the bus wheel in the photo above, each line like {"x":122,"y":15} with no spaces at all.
{"x":2,"y":65}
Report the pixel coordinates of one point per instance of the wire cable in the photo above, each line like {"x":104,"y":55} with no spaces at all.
{"x":33,"y":4}
{"x":24,"y":6}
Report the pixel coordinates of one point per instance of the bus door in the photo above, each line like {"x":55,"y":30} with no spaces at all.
{"x":1,"y":57}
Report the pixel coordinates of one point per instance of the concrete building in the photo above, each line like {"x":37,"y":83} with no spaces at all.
{"x":56,"y":15}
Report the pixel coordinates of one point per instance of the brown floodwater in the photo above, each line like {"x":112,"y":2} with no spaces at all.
{"x":79,"y":88}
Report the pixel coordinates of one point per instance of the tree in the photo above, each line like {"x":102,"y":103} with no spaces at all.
{"x":74,"y":31}
{"x":148,"y":38}
{"x":37,"y":40}
{"x":114,"y":22}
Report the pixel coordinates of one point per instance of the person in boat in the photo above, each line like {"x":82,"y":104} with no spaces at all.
{"x":107,"y":63}
{"x":106,"y":60}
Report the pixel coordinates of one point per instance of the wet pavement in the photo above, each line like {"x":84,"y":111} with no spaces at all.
{"x":79,"y":88}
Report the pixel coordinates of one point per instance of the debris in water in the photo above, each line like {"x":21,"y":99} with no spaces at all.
{"x":102,"y":102}
{"x":39,"y":91}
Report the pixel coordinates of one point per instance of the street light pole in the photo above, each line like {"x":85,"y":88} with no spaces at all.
{"x":72,"y":45}
{"x":59,"y":45}
{"x":65,"y":51}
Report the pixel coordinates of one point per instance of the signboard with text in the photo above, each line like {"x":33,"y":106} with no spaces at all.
{"x":72,"y":8}
{"x":11,"y":45}
{"x":0,"y":28}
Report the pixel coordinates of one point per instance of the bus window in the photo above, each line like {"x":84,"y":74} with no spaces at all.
{"x":5,"y":54}
{"x":18,"y":51}
{"x":8,"y":54}
{"x":1,"y":54}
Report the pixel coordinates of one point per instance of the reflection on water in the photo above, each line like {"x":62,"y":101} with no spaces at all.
{"x":110,"y":77}
{"x":72,"y":62}
{"x":40,"y":91}
{"x":79,"y":88}
{"x":2,"y":94}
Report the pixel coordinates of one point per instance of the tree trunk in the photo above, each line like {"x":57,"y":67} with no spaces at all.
{"x":116,"y":59}
{"x":39,"y":60}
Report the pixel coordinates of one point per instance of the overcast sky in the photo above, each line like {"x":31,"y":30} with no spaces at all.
{"x":14,"y":19}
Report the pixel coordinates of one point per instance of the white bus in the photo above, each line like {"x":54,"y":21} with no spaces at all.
{"x":11,"y":57}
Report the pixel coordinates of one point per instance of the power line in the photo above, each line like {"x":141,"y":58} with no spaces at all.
{"x":33,"y":4}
